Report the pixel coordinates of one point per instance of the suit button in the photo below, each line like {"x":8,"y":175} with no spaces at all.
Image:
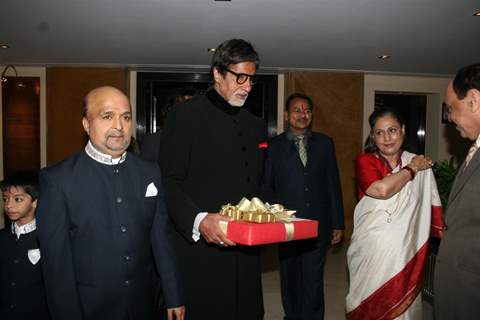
{"x":306,"y":189}
{"x":119,"y":200}
{"x":240,"y":133}
{"x":12,"y":306}
{"x":305,"y":174}
{"x":123,"y":229}
{"x":246,"y":163}
{"x":16,"y":261}
{"x":115,"y":170}
{"x":307,"y":204}
{"x":127,"y":258}
{"x":127,"y":282}
{"x":13,"y":284}
{"x":248,"y":179}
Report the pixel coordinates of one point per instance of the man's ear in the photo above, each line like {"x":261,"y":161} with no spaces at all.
{"x":86,"y":125}
{"x":285,"y":115}
{"x":216,"y":75}
{"x":474,"y":96}
{"x":34,"y":204}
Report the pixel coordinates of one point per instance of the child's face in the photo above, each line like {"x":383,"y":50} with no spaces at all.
{"x":19,"y":205}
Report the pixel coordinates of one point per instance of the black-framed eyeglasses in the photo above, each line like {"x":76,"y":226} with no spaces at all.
{"x":243,"y":77}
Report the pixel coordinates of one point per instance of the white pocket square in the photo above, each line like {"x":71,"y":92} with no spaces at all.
{"x":151,"y":190}
{"x":34,"y":255}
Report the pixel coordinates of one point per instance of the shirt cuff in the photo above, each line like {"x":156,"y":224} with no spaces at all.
{"x":196,"y":226}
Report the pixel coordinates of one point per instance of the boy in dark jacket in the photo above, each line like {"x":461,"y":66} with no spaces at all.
{"x":22,"y":292}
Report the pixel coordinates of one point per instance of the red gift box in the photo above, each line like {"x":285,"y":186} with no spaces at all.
{"x":251,"y":234}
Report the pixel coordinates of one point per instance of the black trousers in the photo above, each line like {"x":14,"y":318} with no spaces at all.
{"x":301,"y":274}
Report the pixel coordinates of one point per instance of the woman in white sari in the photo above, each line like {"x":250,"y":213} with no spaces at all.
{"x":398,"y":205}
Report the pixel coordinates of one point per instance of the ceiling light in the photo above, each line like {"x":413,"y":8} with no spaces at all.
{"x":384,"y":57}
{"x":477,"y":14}
{"x":211,"y":49}
{"x":4,"y":46}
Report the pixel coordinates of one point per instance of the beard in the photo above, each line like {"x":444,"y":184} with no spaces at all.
{"x":234,"y":101}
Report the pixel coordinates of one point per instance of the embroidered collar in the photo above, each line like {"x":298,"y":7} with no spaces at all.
{"x":26,"y":228}
{"x":98,"y":156}
{"x":218,"y":101}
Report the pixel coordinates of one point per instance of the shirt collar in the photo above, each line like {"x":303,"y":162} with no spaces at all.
{"x":24,"y":229}
{"x":478,"y":141}
{"x":98,"y":156}
{"x":293,"y":136}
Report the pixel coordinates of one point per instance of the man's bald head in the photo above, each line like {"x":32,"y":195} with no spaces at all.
{"x":107,"y":120}
{"x":99,"y":92}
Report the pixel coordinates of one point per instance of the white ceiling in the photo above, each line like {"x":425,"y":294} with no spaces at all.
{"x":422,"y":36}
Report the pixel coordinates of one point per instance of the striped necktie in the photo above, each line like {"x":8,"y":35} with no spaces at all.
{"x":471,"y":153}
{"x":302,"y":151}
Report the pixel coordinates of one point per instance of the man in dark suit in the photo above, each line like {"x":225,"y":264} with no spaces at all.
{"x":150,"y":149}
{"x":457,"y":274}
{"x":102,"y":224}
{"x":210,"y":156}
{"x":301,"y":173}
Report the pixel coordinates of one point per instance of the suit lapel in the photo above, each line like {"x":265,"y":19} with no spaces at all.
{"x":463,"y":175}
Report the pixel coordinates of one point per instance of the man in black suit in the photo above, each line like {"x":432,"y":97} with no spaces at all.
{"x":210,"y":156}
{"x":301,"y":173}
{"x":102,"y":224}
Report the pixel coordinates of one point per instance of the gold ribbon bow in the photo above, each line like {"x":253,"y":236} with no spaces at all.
{"x":256,"y":211}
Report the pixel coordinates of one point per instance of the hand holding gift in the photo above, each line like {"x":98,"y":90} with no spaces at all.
{"x":211,"y":231}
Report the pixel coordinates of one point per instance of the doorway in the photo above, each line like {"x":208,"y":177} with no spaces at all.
{"x":21,"y":124}
{"x":158,"y":91}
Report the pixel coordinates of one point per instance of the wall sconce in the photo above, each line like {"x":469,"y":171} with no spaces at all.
{"x":3,"y":78}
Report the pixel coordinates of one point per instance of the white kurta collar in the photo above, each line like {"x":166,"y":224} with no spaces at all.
{"x":26,"y":228}
{"x":98,"y":156}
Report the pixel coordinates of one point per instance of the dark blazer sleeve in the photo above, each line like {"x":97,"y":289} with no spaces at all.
{"x":335,"y":189}
{"x":268,"y":178}
{"x":176,"y":146}
{"x":57,"y":262}
{"x":165,"y":257}
{"x":150,"y":150}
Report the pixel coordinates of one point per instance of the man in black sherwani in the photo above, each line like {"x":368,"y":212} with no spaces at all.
{"x":301,"y":173}
{"x":102,"y":225}
{"x":210,"y":156}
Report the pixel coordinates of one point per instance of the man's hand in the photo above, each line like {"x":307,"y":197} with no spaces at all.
{"x":210,"y":229}
{"x":337,"y":236}
{"x":179,"y":313}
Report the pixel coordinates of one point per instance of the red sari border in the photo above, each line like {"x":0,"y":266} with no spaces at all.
{"x":403,"y":288}
{"x":438,"y":223}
